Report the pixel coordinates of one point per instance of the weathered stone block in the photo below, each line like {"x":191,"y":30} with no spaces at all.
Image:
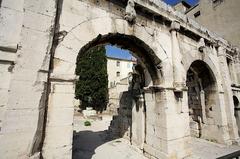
{"x":60,"y":100}
{"x":42,"y":7}
{"x":11,"y":22}
{"x":20,"y":120}
{"x":31,"y":23}
{"x":67,"y":54}
{"x":60,"y":116}
{"x":62,"y":139}
{"x":13,"y":4}
{"x":67,"y":88}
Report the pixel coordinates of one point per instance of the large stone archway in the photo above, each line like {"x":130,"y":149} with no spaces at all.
{"x":135,"y":38}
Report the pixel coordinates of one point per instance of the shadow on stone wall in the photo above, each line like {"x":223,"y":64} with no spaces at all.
{"x":121,"y":124}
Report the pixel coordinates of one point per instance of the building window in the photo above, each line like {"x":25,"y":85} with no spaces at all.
{"x":118,"y":74}
{"x":198,"y":13}
{"x":118,"y":63}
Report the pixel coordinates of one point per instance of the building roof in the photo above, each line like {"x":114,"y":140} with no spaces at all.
{"x":119,"y":59}
{"x":186,"y":4}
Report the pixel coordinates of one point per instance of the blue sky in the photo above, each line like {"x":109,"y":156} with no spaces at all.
{"x":113,"y":51}
{"x":173,"y":2}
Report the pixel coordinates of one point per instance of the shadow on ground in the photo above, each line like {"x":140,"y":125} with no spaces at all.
{"x":86,"y":142}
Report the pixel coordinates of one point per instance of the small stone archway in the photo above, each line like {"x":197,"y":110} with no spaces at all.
{"x":202,"y":102}
{"x":209,"y":120}
{"x":237,"y":112}
{"x":217,"y":130}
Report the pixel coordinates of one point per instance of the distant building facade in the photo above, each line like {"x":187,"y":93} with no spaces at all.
{"x":219,"y":16}
{"x":118,"y":69}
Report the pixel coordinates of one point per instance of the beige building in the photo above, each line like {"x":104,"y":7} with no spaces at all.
{"x":220,"y":16}
{"x":118,"y":69}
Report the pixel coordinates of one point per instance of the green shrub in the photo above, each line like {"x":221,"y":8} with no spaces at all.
{"x":87,"y":123}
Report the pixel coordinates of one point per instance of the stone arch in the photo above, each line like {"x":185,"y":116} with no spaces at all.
{"x":134,"y":38}
{"x":189,"y":58}
{"x":138,"y":48}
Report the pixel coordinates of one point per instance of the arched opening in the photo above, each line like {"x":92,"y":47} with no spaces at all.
{"x":201,"y":85}
{"x":237,"y":112}
{"x":138,"y":48}
{"x":129,"y":106}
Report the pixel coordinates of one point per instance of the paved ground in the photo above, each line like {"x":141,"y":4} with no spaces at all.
{"x":91,"y":143}
{"x":203,"y":149}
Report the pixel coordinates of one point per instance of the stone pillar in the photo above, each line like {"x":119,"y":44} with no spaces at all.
{"x":178,"y":72}
{"x":138,"y":123}
{"x":202,"y":97}
{"x":167,"y":129}
{"x":143,"y":121}
{"x":227,"y":102}
{"x":59,"y":126}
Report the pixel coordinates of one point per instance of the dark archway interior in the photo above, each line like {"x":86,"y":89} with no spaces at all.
{"x":138,"y":48}
{"x":201,"y":91}
{"x":237,"y":112}
{"x":235,"y":101}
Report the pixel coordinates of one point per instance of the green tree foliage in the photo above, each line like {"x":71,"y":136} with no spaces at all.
{"x":92,"y":86}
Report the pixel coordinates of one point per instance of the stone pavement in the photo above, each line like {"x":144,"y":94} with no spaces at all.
{"x":91,"y":142}
{"x":203,"y":149}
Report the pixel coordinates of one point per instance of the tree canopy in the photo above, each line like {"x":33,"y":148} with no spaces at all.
{"x":92,"y":86}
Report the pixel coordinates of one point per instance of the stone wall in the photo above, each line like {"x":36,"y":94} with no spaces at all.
{"x":25,"y":41}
